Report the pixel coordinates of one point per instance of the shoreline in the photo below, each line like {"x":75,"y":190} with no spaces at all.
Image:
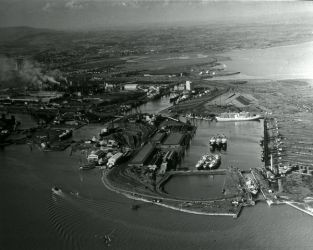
{"x":145,"y":198}
{"x":286,"y":45}
{"x":298,"y":208}
{"x":258,"y":63}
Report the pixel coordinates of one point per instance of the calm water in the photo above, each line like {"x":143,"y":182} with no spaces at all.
{"x":195,"y":186}
{"x":243,"y":151}
{"x":155,"y":106}
{"x":32,"y":217}
{"x":243,"y":148}
{"x":283,"y":62}
{"x":27,"y":120}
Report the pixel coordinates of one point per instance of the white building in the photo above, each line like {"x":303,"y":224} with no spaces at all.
{"x":96,"y":155}
{"x":113,"y":160}
{"x":130,"y":86}
{"x":109,"y":86}
{"x":189,"y":86}
{"x":179,"y":87}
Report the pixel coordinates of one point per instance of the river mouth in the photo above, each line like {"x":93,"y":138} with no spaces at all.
{"x":277,"y":63}
{"x":195,"y":187}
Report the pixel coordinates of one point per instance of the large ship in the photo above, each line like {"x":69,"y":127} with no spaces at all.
{"x":242,"y":116}
{"x":213,"y":143}
{"x":218,"y":142}
{"x":208,"y":161}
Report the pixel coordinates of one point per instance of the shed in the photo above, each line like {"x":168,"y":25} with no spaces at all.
{"x":174,"y":139}
{"x":130,"y":86}
{"x":158,"y":137}
{"x":143,"y":155}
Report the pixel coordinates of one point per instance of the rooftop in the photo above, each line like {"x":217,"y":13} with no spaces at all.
{"x":143,"y":154}
{"x":158,"y":137}
{"x":174,"y":139}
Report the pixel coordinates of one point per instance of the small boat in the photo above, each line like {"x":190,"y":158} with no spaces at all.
{"x":88,"y":166}
{"x":56,"y":190}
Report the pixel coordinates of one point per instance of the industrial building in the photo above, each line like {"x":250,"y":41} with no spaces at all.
{"x":179,"y":87}
{"x":174,"y":140}
{"x":176,"y":126}
{"x":171,"y":159}
{"x":96,"y":155}
{"x":130,"y":86}
{"x":142,"y":157}
{"x":189,"y":86}
{"x":158,"y":138}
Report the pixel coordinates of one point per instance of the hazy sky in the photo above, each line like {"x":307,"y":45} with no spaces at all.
{"x":76,"y":14}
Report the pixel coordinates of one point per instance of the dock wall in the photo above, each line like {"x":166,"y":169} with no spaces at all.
{"x":151,"y":199}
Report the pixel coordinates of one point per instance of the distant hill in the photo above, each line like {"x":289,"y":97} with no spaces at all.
{"x":28,"y":40}
{"x":15,"y":33}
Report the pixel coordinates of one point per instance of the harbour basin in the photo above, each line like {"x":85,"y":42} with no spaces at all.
{"x":195,"y":187}
{"x":243,"y":149}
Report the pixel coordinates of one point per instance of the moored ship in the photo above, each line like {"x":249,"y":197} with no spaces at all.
{"x":212,"y":143}
{"x":208,"y":162}
{"x":88,"y":166}
{"x":223,"y":142}
{"x":218,"y":142}
{"x":242,"y":116}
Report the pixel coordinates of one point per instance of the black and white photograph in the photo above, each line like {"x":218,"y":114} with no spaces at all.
{"x":156,"y":124}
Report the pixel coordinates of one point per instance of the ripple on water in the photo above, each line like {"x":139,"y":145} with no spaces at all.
{"x":74,"y":223}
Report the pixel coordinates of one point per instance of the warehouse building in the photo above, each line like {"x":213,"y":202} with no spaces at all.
{"x":174,"y":140}
{"x":158,"y":138}
{"x":131,"y":86}
{"x":143,"y":156}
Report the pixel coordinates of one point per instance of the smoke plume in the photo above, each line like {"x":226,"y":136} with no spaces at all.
{"x":28,"y":73}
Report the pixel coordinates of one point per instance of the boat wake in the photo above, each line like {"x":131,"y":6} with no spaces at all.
{"x":69,"y":214}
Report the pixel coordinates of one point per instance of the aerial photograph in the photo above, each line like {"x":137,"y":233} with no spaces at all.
{"x":156,"y":124}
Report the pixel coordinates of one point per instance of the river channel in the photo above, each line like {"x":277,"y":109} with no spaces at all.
{"x":88,"y":216}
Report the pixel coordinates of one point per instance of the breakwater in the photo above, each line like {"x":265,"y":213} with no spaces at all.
{"x":172,"y":203}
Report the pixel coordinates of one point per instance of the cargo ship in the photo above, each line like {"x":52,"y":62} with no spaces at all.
{"x":208,"y":162}
{"x":212,"y":143}
{"x":219,"y":142}
{"x":242,"y":116}
{"x":224,"y":140}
